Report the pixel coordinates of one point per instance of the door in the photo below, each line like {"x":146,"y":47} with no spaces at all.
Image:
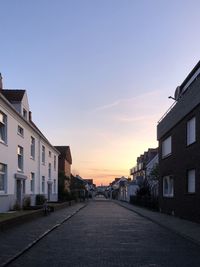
{"x":19,"y":193}
{"x":49,"y":191}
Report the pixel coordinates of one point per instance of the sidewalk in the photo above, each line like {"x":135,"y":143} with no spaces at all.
{"x":16,"y":239}
{"x":186,"y":229}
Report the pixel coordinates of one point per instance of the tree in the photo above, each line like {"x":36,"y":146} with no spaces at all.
{"x":63,"y":193}
{"x":154,"y":174}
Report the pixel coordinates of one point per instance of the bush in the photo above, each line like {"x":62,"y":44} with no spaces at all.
{"x":40,"y":199}
{"x":26,"y":202}
{"x":16,"y":206}
{"x":145,"y":201}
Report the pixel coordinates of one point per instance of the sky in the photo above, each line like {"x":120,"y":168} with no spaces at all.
{"x":98,"y":73}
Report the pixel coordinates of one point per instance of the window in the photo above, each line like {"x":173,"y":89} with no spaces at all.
{"x":43,"y":154}
{"x":191,"y":181}
{"x":43,"y":184}
{"x":3,"y":127}
{"x":168,"y":186}
{"x":54,"y":185}
{"x":50,"y":154}
{"x":54,"y":163}
{"x":32,"y":147}
{"x":49,"y":170}
{"x":25,"y":113}
{"x":32,"y":182}
{"x":3,"y":178}
{"x":191,"y":131}
{"x":167,"y":147}
{"x":20,"y":156}
{"x":20,"y":130}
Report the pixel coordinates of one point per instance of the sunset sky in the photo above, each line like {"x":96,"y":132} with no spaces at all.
{"x":98,"y":73}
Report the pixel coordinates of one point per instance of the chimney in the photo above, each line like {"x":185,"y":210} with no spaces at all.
{"x":1,"y":83}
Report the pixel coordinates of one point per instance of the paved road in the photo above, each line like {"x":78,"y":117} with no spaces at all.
{"x":106,"y":234}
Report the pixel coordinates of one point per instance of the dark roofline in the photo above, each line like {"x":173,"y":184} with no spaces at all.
{"x":189,"y":76}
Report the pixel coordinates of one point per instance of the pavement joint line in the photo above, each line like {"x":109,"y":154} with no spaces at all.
{"x":30,"y":245}
{"x":162,"y":225}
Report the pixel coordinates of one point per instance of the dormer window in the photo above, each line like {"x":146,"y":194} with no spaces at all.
{"x":25,"y":113}
{"x":3,"y":127}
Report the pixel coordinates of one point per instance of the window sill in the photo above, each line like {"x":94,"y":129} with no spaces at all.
{"x":3,"y":143}
{"x":166,"y":156}
{"x":20,"y":171}
{"x":190,"y":194}
{"x":20,"y":135}
{"x":32,"y":158}
{"x":168,"y":196}
{"x":3,"y":194}
{"x":191,"y":144}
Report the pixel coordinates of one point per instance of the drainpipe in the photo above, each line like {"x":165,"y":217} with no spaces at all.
{"x":1,"y":82}
{"x":39,"y":165}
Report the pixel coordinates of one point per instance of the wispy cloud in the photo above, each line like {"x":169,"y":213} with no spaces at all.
{"x":135,"y":119}
{"x":126,"y":100}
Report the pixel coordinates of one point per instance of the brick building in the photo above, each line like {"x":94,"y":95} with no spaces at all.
{"x":179,"y":151}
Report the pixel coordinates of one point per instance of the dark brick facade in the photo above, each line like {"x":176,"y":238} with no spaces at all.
{"x":183,"y":158}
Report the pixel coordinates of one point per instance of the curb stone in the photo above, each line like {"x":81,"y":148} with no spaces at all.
{"x":30,"y":245}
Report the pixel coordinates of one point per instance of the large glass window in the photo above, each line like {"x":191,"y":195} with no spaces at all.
{"x":191,"y":131}
{"x":20,"y":155}
{"x":191,"y":177}
{"x":167,"y":147}
{"x":3,"y":127}
{"x":32,"y":147}
{"x":3,"y":178}
{"x":43,"y":154}
{"x":168,"y":186}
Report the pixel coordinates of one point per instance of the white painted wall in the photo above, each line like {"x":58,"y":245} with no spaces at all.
{"x":8,"y":156}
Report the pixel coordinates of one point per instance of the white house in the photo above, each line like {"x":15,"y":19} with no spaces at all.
{"x":153,"y":182}
{"x":28,"y":162}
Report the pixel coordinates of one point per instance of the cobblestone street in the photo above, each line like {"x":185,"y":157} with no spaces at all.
{"x":106,"y":234}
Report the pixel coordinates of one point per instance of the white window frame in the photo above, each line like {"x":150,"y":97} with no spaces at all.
{"x":43,"y":154}
{"x":20,"y":158}
{"x":3,"y":174}
{"x":169,"y":190}
{"x":20,"y":131}
{"x":32,"y":146}
{"x":191,"y":181}
{"x":167,"y":147}
{"x":32,"y":182}
{"x":3,"y":127}
{"x":191,"y":131}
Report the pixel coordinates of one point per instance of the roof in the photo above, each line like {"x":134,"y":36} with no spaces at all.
{"x":30,"y":122}
{"x":13,"y":95}
{"x":65,"y":152}
{"x":197,"y":66}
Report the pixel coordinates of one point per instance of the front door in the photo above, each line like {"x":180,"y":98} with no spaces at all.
{"x":49,"y":191}
{"x":19,"y":192}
